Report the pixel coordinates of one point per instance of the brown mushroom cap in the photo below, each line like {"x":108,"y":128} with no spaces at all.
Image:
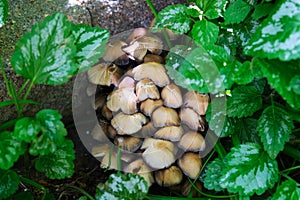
{"x":192,"y":141}
{"x":168,"y":177}
{"x":128,"y":143}
{"x":126,"y":82}
{"x":164,"y":116}
{"x":149,"y":105}
{"x":172,"y":133}
{"x":146,"y":89}
{"x":198,"y":102}
{"x":151,"y":43}
{"x":136,"y":33}
{"x":106,"y":112}
{"x":114,"y":53}
{"x":156,"y":72}
{"x":128,"y":124}
{"x":135,"y":51}
{"x":109,"y":156}
{"x":153,"y":58}
{"x":189,"y":117}
{"x":190,"y":163}
{"x":147,"y":130}
{"x":104,"y":74}
{"x":111,"y":132}
{"x":171,"y":96}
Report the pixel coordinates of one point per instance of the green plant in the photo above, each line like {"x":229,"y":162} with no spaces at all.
{"x":51,"y":53}
{"x":3,"y":12}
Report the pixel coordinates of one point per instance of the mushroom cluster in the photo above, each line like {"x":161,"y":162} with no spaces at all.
{"x":157,"y":124}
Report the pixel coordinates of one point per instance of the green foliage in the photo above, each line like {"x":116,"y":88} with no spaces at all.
{"x":213,"y":174}
{"x":3,"y":12}
{"x":205,"y":32}
{"x":287,"y":190}
{"x":9,"y":183}
{"x":211,"y":8}
{"x":236,"y":12}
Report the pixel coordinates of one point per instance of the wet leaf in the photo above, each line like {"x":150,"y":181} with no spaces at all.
{"x":205,"y":32}
{"x":295,"y":84}
{"x":287,"y":190}
{"x":274,"y":127}
{"x":236,"y":12}
{"x":245,"y":129}
{"x":212,"y":8}
{"x":26,"y":129}
{"x":262,"y":10}
{"x":248,"y":170}
{"x":244,"y":73}
{"x":213,"y":174}
{"x":9,"y":183}
{"x":3,"y":12}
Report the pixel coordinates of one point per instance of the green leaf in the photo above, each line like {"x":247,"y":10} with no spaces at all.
{"x":295,"y":84}
{"x":245,"y":101}
{"x":10,"y":149}
{"x":59,"y":164}
{"x":26,"y":129}
{"x":229,"y":72}
{"x":244,"y":73}
{"x":245,"y":129}
{"x":175,"y":18}
{"x":90,"y":43}
{"x":278,"y":36}
{"x":274,"y":127}
{"x":261,"y":10}
{"x":3,"y":12}
{"x":236,"y":12}
{"x":287,"y":190}
{"x":212,"y":8}
{"x":45,"y":54}
{"x":9,"y":183}
{"x":213,"y":174}
{"x":21,"y":196}
{"x":20,"y":101}
{"x":122,"y":187}
{"x":52,"y":133}
{"x":205,"y":32}
{"x":248,"y":170}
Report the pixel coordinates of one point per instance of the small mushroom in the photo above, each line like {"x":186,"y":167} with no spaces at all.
{"x":168,"y":177}
{"x":111,"y":132}
{"x":99,"y":101}
{"x":156,"y":72}
{"x":106,"y":112}
{"x":135,"y":51}
{"x":164,"y":116}
{"x":190,"y":163}
{"x":104,"y":74}
{"x":126,"y":82}
{"x":198,"y":102}
{"x":146,"y":89}
{"x":136,"y":33}
{"x":98,"y":133}
{"x":189,"y":117}
{"x":149,"y":105}
{"x":128,"y":124}
{"x":153,"y":58}
{"x":171,"y":96}
{"x":128,"y":143}
{"x":114,"y":53}
{"x":147,"y":130}
{"x":192,"y":141}
{"x":151,"y":43}
{"x":172,"y":133}
{"x":109,"y":159}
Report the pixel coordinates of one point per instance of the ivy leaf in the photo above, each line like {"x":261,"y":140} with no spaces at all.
{"x":10,"y":149}
{"x":279,"y":34}
{"x":213,"y":174}
{"x":212,"y":8}
{"x":205,"y":32}
{"x":287,"y":190}
{"x":59,"y":164}
{"x":45,"y":54}
{"x":295,"y":84}
{"x":123,"y":187}
{"x":175,"y":18}
{"x":9,"y":183}
{"x":90,"y":43}
{"x":248,"y":170}
{"x":3,"y":12}
{"x":52,"y":133}
{"x":245,"y":101}
{"x":236,"y":12}
{"x":26,"y":129}
{"x":274,"y":127}
{"x":262,"y":10}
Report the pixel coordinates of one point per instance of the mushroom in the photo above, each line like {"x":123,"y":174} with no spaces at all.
{"x":171,"y":95}
{"x":192,"y":141}
{"x":135,"y":51}
{"x":190,"y":163}
{"x":159,"y":153}
{"x":198,"y":102}
{"x":147,"y":130}
{"x":189,"y":117}
{"x":109,"y":159}
{"x":104,"y":74}
{"x":149,"y":105}
{"x":99,"y":134}
{"x":136,"y":33}
{"x":146,"y":89}
{"x":128,"y":124}
{"x":151,"y":43}
{"x":168,"y":177}
{"x":98,"y":102}
{"x":106,"y":112}
{"x":172,"y":133}
{"x":111,"y":132}
{"x":153,"y":58}
{"x":128,"y":143}
{"x":156,"y":72}
{"x":126,"y":82}
{"x":164,"y":116}
{"x":114,"y":53}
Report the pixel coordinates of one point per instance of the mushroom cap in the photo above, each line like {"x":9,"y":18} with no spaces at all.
{"x":146,"y":89}
{"x":147,"y":130}
{"x":159,"y":153}
{"x":98,"y":132}
{"x":192,"y":141}
{"x":104,"y":74}
{"x":164,"y":116}
{"x":111,"y":132}
{"x":168,"y":177}
{"x":189,"y":117}
{"x":135,"y":51}
{"x":171,"y":96}
{"x":136,"y":33}
{"x":114,"y":53}
{"x":190,"y":163}
{"x":99,"y":101}
{"x":156,"y":72}
{"x":126,"y":82}
{"x":149,"y":105}
{"x":151,"y":43}
{"x":100,"y":150}
{"x":153,"y":58}
{"x":198,"y":102}
{"x":106,"y":112}
{"x":128,"y":143}
{"x":172,"y":133}
{"x":128,"y":124}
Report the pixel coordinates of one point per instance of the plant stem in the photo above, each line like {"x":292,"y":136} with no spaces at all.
{"x":235,"y":140}
{"x":22,"y":88}
{"x":34,"y":184}
{"x":82,"y":191}
{"x":220,"y":149}
{"x":292,"y":152}
{"x":27,"y":93}
{"x":290,"y":169}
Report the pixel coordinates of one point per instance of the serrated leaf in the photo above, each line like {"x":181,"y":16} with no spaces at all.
{"x":244,"y":74}
{"x":295,"y":84}
{"x":59,"y":164}
{"x":248,"y":170}
{"x":278,"y":36}
{"x":52,"y":133}
{"x":212,"y":8}
{"x":3,"y":12}
{"x":175,"y":18}
{"x":9,"y":183}
{"x":261,"y":10}
{"x":123,"y":187}
{"x":90,"y":43}
{"x":245,"y":129}
{"x":205,"y":32}
{"x":287,"y":190}
{"x":10,"y":149}
{"x":213,"y":174}
{"x":45,"y":54}
{"x":229,"y":73}
{"x":236,"y":12}
{"x":274,"y":128}
{"x":26,"y":129}
{"x":245,"y":101}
